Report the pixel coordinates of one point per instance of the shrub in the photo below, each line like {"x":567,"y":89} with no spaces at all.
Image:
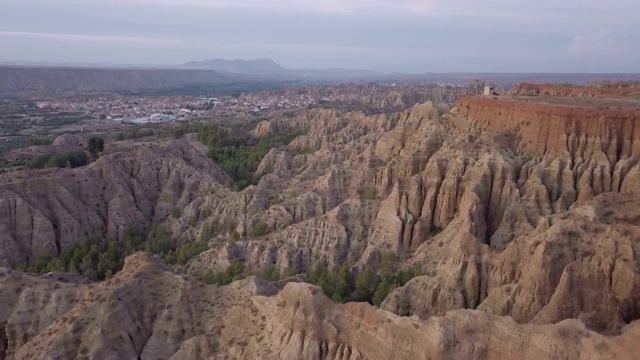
{"x":175,"y":212}
{"x":235,"y":271}
{"x":289,"y":273}
{"x":261,"y":229}
{"x":95,"y":145}
{"x":100,"y":259}
{"x":72,"y":159}
{"x":370,"y":194}
{"x":206,"y":233}
{"x":134,"y":133}
{"x":368,"y":286}
{"x":271,"y":274}
{"x":234,"y":149}
{"x":382,"y":290}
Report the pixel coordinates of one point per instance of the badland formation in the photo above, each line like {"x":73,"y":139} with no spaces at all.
{"x":384,"y":223}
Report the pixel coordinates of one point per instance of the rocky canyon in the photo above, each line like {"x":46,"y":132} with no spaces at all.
{"x":519,"y":210}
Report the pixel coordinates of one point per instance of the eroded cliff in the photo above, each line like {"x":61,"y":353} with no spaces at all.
{"x":146,"y":312}
{"x":517,"y":208}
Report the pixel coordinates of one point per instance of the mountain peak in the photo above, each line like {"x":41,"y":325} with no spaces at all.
{"x":261,"y":66}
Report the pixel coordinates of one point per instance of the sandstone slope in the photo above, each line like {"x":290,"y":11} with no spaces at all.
{"x":522,"y":211}
{"x":46,"y":210}
{"x":146,"y":312}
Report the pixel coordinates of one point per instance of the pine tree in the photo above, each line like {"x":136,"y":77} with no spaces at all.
{"x":366,"y":284}
{"x":346,"y":282}
{"x":381,"y":292}
{"x":327,"y":282}
{"x":336,"y":298}
{"x":86,"y":264}
{"x":271,"y":274}
{"x":95,"y":145}
{"x":289,"y":273}
{"x":313,"y":274}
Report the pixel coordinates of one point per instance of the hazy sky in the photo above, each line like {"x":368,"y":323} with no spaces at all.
{"x":383,"y":35}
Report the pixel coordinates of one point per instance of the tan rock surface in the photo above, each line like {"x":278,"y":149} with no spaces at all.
{"x":47,"y":210}
{"x":146,"y":312}
{"x":521,"y":211}
{"x":70,"y":140}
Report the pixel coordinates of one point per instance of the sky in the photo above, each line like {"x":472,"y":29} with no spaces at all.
{"x":411,"y":36}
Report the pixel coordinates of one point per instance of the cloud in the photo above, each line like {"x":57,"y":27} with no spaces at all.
{"x":521,"y":9}
{"x":365,"y":6}
{"x":393,"y":35}
{"x":177,"y":43}
{"x":598,"y":44}
{"x":329,"y":6}
{"x":94,"y":39}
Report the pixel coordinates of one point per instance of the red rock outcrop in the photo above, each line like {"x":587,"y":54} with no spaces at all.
{"x":604,"y":90}
{"x":544,"y":129}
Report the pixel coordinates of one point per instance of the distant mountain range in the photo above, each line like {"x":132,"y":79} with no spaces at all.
{"x":269,"y":67}
{"x":238,"y":66}
{"x":15,"y":79}
{"x":221,"y":76}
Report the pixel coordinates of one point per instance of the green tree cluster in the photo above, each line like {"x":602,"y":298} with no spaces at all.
{"x":71,"y":159}
{"x":370,"y":286}
{"x":339,"y":285}
{"x":100,"y":259}
{"x":173,"y":252}
{"x":40,"y":141}
{"x":261,"y":229}
{"x":60,"y":121}
{"x":234,"y":149}
{"x":370,"y":194}
{"x":271,"y":274}
{"x":17,"y":142}
{"x":241,"y":162}
{"x":95,"y":145}
{"x":134,"y":133}
{"x":235,"y":271}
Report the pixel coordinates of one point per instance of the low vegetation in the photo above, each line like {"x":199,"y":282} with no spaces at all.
{"x":40,"y":141}
{"x":235,"y":271}
{"x":100,"y":259}
{"x":340,"y":285}
{"x":134,"y":133}
{"x":261,"y":229}
{"x":369,"y":285}
{"x":71,"y":159}
{"x":19,"y":142}
{"x":12,"y":129}
{"x":68,"y":159}
{"x":370,"y":194}
{"x":234,"y":149}
{"x":60,"y":121}
{"x":95,"y":145}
